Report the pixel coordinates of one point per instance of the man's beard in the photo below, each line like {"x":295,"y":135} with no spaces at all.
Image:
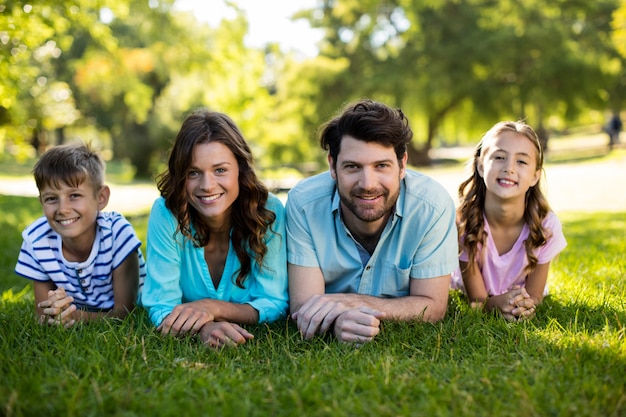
{"x":351,"y":203}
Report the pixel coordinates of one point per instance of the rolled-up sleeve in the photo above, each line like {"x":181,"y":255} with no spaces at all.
{"x":162,"y":290}
{"x":269,"y":292}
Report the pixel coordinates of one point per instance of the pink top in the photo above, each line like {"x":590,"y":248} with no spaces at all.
{"x":502,"y":272}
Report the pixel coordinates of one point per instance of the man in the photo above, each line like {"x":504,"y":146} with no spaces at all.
{"x":368,"y":240}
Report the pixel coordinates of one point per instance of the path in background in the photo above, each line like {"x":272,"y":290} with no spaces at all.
{"x":570,"y":186}
{"x":127,"y":199}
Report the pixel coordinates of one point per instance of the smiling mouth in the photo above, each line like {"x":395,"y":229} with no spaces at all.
{"x":210,"y":198}
{"x":67,"y":222}
{"x":506,"y":182}
{"x":367,"y":198}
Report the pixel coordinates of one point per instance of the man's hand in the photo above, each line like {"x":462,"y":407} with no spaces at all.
{"x":318,"y":314}
{"x":358,"y":325}
{"x":351,"y":322}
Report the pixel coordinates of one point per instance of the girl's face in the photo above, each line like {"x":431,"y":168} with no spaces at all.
{"x":212,"y":183}
{"x":508,"y":165}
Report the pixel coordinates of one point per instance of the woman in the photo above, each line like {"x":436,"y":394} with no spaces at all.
{"x":216,"y":238}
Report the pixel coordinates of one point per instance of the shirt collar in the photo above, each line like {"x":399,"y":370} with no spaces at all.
{"x":102,"y":222}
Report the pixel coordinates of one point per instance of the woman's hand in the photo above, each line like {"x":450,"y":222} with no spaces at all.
{"x":187,"y":319}
{"x":218,"y":334}
{"x":58,"y":309}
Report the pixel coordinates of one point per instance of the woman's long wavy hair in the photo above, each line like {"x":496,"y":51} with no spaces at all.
{"x":472,"y":199}
{"x":249,"y":216}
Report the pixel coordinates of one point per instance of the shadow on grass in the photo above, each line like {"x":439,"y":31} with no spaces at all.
{"x":579,"y":316}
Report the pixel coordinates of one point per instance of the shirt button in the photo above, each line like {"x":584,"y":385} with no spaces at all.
{"x":367,"y":268}
{"x":83,"y":281}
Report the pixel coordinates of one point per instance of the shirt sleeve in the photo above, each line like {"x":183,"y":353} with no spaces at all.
{"x":269,"y":282}
{"x":556,"y":241}
{"x":438,"y":253}
{"x":125,"y":240}
{"x":300,"y":247}
{"x":28,"y":264}
{"x":161,"y":290}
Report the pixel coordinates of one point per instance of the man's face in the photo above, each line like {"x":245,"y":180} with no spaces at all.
{"x":368,"y":179}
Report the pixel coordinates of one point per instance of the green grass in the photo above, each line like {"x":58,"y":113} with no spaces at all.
{"x":570,"y":360}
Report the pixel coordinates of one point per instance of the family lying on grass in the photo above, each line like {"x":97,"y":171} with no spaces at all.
{"x":368,"y":240}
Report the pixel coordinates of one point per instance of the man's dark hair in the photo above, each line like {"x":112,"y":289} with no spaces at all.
{"x":368,"y":121}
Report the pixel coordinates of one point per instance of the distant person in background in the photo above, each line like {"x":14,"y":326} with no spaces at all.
{"x":507,"y":234}
{"x":614,"y":127}
{"x":216,"y":238}
{"x":85,"y":263}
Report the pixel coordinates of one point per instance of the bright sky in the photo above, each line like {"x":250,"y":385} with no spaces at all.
{"x":268,"y":21}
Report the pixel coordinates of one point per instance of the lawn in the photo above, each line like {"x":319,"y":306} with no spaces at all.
{"x":570,"y":360}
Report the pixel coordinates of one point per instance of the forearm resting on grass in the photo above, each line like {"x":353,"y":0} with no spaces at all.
{"x":58,"y":308}
{"x":356,"y":317}
{"x":189,"y":318}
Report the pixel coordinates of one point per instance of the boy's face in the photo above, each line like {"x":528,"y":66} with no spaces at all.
{"x":72,"y":212}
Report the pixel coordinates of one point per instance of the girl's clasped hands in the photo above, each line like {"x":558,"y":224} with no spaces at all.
{"x":513,"y":305}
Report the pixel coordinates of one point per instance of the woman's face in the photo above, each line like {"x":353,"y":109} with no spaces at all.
{"x":212,"y":183}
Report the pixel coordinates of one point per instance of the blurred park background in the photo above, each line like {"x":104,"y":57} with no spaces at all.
{"x":122,"y":74}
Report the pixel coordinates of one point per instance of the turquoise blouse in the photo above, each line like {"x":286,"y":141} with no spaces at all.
{"x":178,"y":273}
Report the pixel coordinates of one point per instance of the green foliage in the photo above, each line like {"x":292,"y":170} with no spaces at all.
{"x":619,"y":28}
{"x":456,"y":67}
{"x":123,"y":74}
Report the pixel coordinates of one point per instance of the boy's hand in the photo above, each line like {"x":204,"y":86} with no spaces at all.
{"x":58,"y":308}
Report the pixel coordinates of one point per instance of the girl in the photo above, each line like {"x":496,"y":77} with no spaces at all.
{"x":216,"y":238}
{"x":507,"y":233}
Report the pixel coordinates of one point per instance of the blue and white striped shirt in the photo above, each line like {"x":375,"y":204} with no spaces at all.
{"x":90,"y":282}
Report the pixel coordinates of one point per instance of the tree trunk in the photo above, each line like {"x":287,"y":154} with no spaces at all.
{"x":418,"y":157}
{"x":60,"y":134}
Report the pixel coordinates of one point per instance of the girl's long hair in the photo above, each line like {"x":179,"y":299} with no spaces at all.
{"x":472,"y":200}
{"x":249,"y":216}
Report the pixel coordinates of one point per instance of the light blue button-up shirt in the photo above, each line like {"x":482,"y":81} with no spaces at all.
{"x":419,"y":241}
{"x":178,"y":272}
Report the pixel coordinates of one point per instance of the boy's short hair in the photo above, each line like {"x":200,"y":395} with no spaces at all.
{"x":69,"y":164}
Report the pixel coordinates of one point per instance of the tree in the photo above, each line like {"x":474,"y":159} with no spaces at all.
{"x":36,"y":94}
{"x":476,"y":60}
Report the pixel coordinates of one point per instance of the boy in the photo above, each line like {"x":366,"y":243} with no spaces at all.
{"x":85,"y":264}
